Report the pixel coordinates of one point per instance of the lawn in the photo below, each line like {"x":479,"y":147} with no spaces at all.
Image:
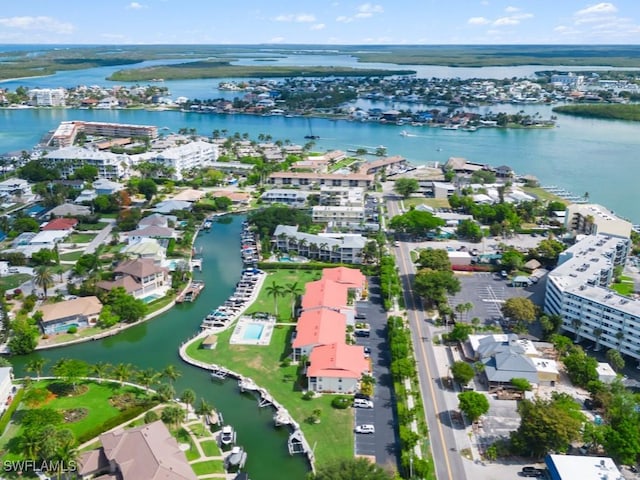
{"x":71,"y":256}
{"x":264,"y":302}
{"x":210,"y":448}
{"x":430,"y":202}
{"x":207,"y":467}
{"x":80,"y":238}
{"x":183,"y":437}
{"x":83,"y":227}
{"x":542,"y":194}
{"x":264,"y":365}
{"x":13,"y":281}
{"x":626,"y":286}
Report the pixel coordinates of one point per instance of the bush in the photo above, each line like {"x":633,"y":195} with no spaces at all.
{"x":341,"y":403}
{"x":73,"y":329}
{"x":150,"y":417}
{"x":308,"y":395}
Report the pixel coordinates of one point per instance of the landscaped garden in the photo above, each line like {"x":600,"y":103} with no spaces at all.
{"x":80,"y":238}
{"x":625,"y":287}
{"x":13,"y":281}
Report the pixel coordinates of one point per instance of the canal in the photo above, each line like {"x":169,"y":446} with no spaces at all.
{"x":154,"y":344}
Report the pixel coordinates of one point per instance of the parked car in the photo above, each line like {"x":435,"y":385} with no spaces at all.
{"x":361,"y":396}
{"x":361,"y":333}
{"x":532,"y":472}
{"x":396,"y":243}
{"x":366,"y":428}
{"x":362,"y":403}
{"x":367,"y":352}
{"x":360,"y":316}
{"x":504,"y":274}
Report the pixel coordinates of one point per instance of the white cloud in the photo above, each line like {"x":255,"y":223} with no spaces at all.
{"x":42,"y":23}
{"x":478,"y":21}
{"x":277,"y":40}
{"x":318,"y":26}
{"x":511,"y":19}
{"x":597,"y":9}
{"x":370,"y":8}
{"x":511,"y":9}
{"x":366,"y":10}
{"x":135,"y":6}
{"x":484,"y":3}
{"x":296,"y":18}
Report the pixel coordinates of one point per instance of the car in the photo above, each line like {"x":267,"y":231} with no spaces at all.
{"x":367,"y":352}
{"x":361,"y":396}
{"x":504,"y":274}
{"x":532,"y":472}
{"x":396,"y":243}
{"x":361,"y":333}
{"x":14,"y":270}
{"x":360,"y":316}
{"x":362,"y":403}
{"x":633,"y":468}
{"x":366,"y":428}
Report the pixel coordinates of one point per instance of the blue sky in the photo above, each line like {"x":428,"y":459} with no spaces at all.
{"x":320,"y":21}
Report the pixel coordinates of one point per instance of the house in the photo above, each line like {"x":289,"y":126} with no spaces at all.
{"x":85,"y":196}
{"x":502,"y":367}
{"x":80,"y":312}
{"x":150,"y":231}
{"x":336,"y":367}
{"x":317,"y":327}
{"x":69,"y":210}
{"x":570,"y":467}
{"x":145,"y":248}
{"x":169,"y":206}
{"x":63,"y":224}
{"x":606,"y":374}
{"x":189,"y":195}
{"x":48,"y":238}
{"x":6,"y":387}
{"x":141,"y":278}
{"x":102,"y":186}
{"x":157,"y":220}
{"x":140,"y":453}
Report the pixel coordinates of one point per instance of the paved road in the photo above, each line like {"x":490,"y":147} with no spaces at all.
{"x":447,"y":461}
{"x":100,"y":238}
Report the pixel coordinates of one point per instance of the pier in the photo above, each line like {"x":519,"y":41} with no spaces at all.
{"x":191,"y":292}
{"x":196,"y":263}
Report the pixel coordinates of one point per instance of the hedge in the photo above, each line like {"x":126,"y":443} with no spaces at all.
{"x":6,"y":417}
{"x":365,"y":269}
{"x":115,"y":421}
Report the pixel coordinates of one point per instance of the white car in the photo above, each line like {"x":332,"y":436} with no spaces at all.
{"x":367,"y":428}
{"x":362,"y":403}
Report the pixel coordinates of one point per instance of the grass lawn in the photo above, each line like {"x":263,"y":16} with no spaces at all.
{"x":625,"y":287}
{"x":199,"y":430}
{"x":109,"y":215}
{"x":210,"y":448}
{"x":263,"y":364}
{"x":430,"y":202}
{"x":264,"y":302}
{"x":83,"y":227}
{"x":159,"y":303}
{"x":542,"y":194}
{"x":13,"y":281}
{"x":82,"y":333}
{"x":207,"y":467}
{"x":183,"y":437}
{"x":71,"y":256}
{"x":80,"y":238}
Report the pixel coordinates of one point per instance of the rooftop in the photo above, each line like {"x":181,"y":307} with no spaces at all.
{"x":86,"y":306}
{"x":337,"y":360}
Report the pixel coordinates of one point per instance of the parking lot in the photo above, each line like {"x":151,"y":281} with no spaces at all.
{"x":382,"y":444}
{"x":487,"y":292}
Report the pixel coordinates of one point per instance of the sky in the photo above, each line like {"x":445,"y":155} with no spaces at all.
{"x":424,"y":22}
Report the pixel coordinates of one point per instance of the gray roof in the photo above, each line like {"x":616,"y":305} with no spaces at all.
{"x":490,"y":345}
{"x":171,"y":205}
{"x":510,"y":364}
{"x":348,"y":241}
{"x":70,"y":210}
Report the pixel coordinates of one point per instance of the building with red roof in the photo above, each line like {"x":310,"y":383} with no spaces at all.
{"x":325,"y":293}
{"x":353,"y":278}
{"x":318,"y":327}
{"x":66,"y":224}
{"x":336,"y":367}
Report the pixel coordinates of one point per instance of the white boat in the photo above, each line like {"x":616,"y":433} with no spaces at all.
{"x":451,"y":127}
{"x":470,"y":128}
{"x":227,"y":435}
{"x":236,"y":459}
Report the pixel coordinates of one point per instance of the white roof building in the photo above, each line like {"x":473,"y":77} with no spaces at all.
{"x":592,"y":218}
{"x":109,"y":165}
{"x":570,"y":467}
{"x":185,"y":157}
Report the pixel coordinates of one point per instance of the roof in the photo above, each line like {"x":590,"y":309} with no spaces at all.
{"x":146,"y":246}
{"x":569,"y":467}
{"x":351,"y":277}
{"x":148,"y":452}
{"x":128,"y":283}
{"x":369,"y":167}
{"x":532,"y":264}
{"x":233,"y":196}
{"x":105,"y":184}
{"x":189,"y":195}
{"x":323,"y":176}
{"x":318,"y":327}
{"x":324,"y":293}
{"x":152,"y":231}
{"x":210,"y":340}
{"x":171,"y":205}
{"x":510,"y":364}
{"x":157,"y":219}
{"x":337,"y":360}
{"x":141,"y":267}
{"x":60,"y":224}
{"x":71,"y":210}
{"x":81,"y":306}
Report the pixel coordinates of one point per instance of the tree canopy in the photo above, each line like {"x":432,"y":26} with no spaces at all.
{"x":406,"y":186}
{"x":521,"y":310}
{"x":433,"y":285}
{"x":267,"y":219}
{"x":350,"y":469}
{"x":473,"y":404}
{"x":415,"y":222}
{"x":434,"y":259}
{"x":462,"y":372}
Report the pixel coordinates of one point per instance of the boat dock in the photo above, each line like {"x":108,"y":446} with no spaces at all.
{"x":196,"y":263}
{"x":565,"y":194}
{"x":190,"y":293}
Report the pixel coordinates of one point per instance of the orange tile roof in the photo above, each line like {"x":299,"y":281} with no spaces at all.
{"x":324,"y":293}
{"x":352,"y":277}
{"x":337,"y":360}
{"x":60,"y":224}
{"x":319,"y":327}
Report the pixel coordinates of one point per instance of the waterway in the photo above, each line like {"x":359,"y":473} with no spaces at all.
{"x":154,"y":344}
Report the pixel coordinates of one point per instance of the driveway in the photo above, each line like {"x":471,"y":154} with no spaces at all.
{"x":383,"y":444}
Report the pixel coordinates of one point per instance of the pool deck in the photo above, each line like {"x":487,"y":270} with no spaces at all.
{"x":238,"y":335}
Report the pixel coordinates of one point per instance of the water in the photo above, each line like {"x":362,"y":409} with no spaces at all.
{"x":155,"y":345}
{"x":252,"y":331}
{"x":580,"y":155}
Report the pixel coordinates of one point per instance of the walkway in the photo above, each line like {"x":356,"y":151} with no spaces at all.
{"x":197,"y":443}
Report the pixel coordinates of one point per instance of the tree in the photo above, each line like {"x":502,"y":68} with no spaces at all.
{"x":522,"y":310}
{"x":434,"y":259}
{"x":148,"y":377}
{"x":24,"y":337}
{"x":188,"y":397}
{"x":615,"y":360}
{"x":203,"y":408}
{"x":172,"y":415}
{"x":350,"y":469}
{"x":43,"y":278}
{"x":512,"y":260}
{"x":85,"y":172}
{"x":470,"y":230}
{"x":171,"y":373}
{"x":36,"y":365}
{"x":406,"y":186}
{"x":460,"y":332}
{"x":122,"y":372}
{"x":148,"y":188}
{"x":550,"y":325}
{"x":71,"y":370}
{"x":521,"y":384}
{"x":473,"y":404}
{"x":107,"y":318}
{"x":433,"y":285}
{"x":416,"y":222}
{"x":99,"y":369}
{"x":124,"y":306}
{"x":483,"y":176}
{"x":294,"y":290}
{"x":165,"y":392}
{"x":274,"y":290}
{"x":581,"y":368}
{"x":462,"y":372}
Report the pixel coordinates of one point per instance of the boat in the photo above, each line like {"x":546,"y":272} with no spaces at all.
{"x":470,"y":128}
{"x":227,"y":436}
{"x":236,"y":459}
{"x":451,"y":127}
{"x":404,"y":133}
{"x":310,"y":135}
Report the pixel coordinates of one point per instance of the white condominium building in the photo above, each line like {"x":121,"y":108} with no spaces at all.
{"x":577,"y":291}
{"x":341,"y":196}
{"x":47,"y":97}
{"x":592,"y":218}
{"x":338,"y":216}
{"x":110,"y":165}
{"x":186,"y":157}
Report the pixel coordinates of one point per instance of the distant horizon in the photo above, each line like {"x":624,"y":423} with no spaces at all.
{"x":330,"y":22}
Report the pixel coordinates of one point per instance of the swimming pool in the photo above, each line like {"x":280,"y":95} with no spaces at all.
{"x":252,"y":331}
{"x":150,"y":298}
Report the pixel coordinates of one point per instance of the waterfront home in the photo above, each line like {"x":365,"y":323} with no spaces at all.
{"x":189,"y":195}
{"x":62,"y":224}
{"x":102,"y":186}
{"x":169,"y":206}
{"x":6,"y":387}
{"x":16,"y":188}
{"x":342,"y":248}
{"x":322,"y":326}
{"x":69,"y":210}
{"x":145,"y":248}
{"x":87,"y":196}
{"x":156,"y":220}
{"x":310,"y":179}
{"x":151,"y":231}
{"x":141,"y":278}
{"x":79,"y":312}
{"x":286,"y":196}
{"x":336,"y":368}
{"x":463,"y":166}
{"x":238,"y":199}
{"x":145,"y":452}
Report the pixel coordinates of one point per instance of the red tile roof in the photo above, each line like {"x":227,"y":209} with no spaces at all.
{"x":352,"y":277}
{"x":60,"y":224}
{"x":337,"y":360}
{"x":324,"y":293}
{"x":318,"y":327}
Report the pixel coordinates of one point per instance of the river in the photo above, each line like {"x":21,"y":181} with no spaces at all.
{"x":154,"y":344}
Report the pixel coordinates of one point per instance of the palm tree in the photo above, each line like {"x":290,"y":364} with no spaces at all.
{"x":122,"y":372}
{"x":66,"y":456}
{"x":294,"y":290}
{"x":147,"y":377}
{"x":171,"y":415}
{"x":43,"y":278}
{"x":171,"y":373}
{"x":576,"y":323}
{"x":274,"y":290}
{"x":36,"y":365}
{"x":165,"y":392}
{"x":619,"y":337}
{"x":188,"y":397}
{"x":597,"y":333}
{"x":204,"y":408}
{"x":100,"y":370}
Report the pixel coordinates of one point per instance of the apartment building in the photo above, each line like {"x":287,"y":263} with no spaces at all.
{"x":183,"y":158}
{"x":592,"y":219}
{"x":110,"y":165}
{"x":66,"y":133}
{"x":341,"y":196}
{"x":338,"y":216}
{"x":286,"y":196}
{"x":345,"y":248}
{"x":578,"y":291}
{"x":309,"y":179}
{"x":47,"y":97}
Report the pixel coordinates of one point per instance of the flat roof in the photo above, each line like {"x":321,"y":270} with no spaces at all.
{"x":570,"y":467}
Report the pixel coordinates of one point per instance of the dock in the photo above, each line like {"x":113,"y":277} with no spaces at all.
{"x":196,"y":263}
{"x":190,"y":293}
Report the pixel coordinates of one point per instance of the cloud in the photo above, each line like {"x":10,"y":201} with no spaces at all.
{"x":318,"y":26}
{"x":343,"y":19}
{"x":42,"y":23}
{"x":597,"y":9}
{"x":511,"y":19}
{"x":511,"y":9}
{"x":484,"y":3}
{"x":478,"y":21}
{"x":135,"y":6}
{"x":365,"y":10}
{"x":296,"y":18}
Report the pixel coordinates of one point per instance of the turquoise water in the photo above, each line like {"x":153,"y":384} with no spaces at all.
{"x":64,"y":328}
{"x":252,"y":331}
{"x":150,"y":298}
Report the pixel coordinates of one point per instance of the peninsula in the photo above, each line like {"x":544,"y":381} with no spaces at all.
{"x":630,"y":112}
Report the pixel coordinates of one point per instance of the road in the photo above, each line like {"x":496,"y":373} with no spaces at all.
{"x":447,"y":460}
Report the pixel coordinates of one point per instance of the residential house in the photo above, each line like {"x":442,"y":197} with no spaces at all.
{"x":157,"y":220}
{"x":16,"y":188}
{"x":151,"y":231}
{"x":141,"y":278}
{"x":63,"y":224}
{"x":189,"y":195}
{"x":238,"y":199}
{"x":317,"y":327}
{"x":140,"y":453}
{"x":336,"y":367}
{"x":102,"y":186}
{"x":69,"y":210}
{"x":169,"y":206}
{"x":145,"y":248}
{"x":342,"y":248}
{"x":80,"y":312}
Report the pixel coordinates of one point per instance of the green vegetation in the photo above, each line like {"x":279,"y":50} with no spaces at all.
{"x":415,"y":222}
{"x":13,"y":281}
{"x":351,"y":469}
{"x":430,"y":202}
{"x":207,"y":467}
{"x":71,"y":256}
{"x":210,"y":448}
{"x":625,"y":287}
{"x":630,"y":112}
{"x":473,"y":404}
{"x":80,"y":238}
{"x":406,"y":186}
{"x":462,"y":372}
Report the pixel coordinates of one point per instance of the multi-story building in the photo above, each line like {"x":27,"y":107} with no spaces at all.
{"x":341,"y":196}
{"x":286,"y":196}
{"x":185,"y":157}
{"x":345,"y":248}
{"x":592,"y":218}
{"x":66,"y":133}
{"x":338,"y":216}
{"x":47,"y":97}
{"x":110,"y":165}
{"x":309,"y":179}
{"x":577,"y":291}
